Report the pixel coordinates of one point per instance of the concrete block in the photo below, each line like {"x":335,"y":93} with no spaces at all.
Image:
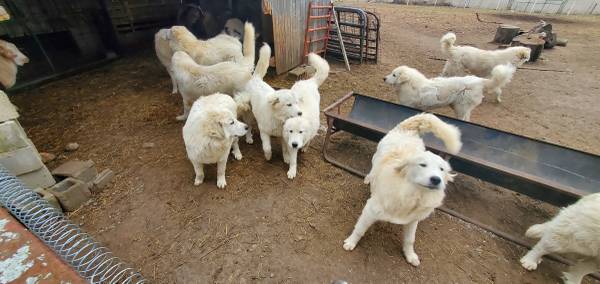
{"x":102,"y":180}
{"x":21,"y":161}
{"x":40,"y":178}
{"x":12,"y":136}
{"x":71,"y":193}
{"x":82,"y":170}
{"x":46,"y":195}
{"x":7,"y":109}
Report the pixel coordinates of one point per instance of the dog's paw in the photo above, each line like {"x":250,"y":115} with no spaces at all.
{"x":198,"y":181}
{"x":367,"y":179}
{"x":291,"y":174}
{"x":413,"y":259}
{"x":249,"y":140}
{"x":268,"y":156}
{"x":181,"y":117}
{"x":221,"y":183}
{"x":498,"y":100}
{"x":529,"y":264}
{"x":349,"y":243}
{"x":237,"y":156}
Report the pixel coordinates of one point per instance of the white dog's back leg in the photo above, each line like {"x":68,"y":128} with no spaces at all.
{"x":173,"y":81}
{"x":199,"y":170}
{"x":266,"y":145}
{"x":531,"y":260}
{"x":579,"y":270}
{"x":410,"y":230}
{"x":293,"y":154}
{"x":186,"y":110}
{"x":235,"y":146}
{"x":452,"y":68}
{"x":248,"y":118}
{"x":463,"y":112}
{"x":366,"y":219}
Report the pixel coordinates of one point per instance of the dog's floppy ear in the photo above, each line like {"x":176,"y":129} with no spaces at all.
{"x":214,"y":126}
{"x":402,"y":78}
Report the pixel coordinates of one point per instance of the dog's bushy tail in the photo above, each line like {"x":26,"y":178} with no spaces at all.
{"x":321,"y":66}
{"x":248,"y":47}
{"x":536,"y":231}
{"x":501,"y":76}
{"x":264,"y":55}
{"x":447,"y":42}
{"x":427,"y":122}
{"x":242,"y":101}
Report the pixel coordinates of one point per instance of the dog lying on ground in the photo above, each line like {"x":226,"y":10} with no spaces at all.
{"x":10,"y":58}
{"x":463,"y":94}
{"x":255,"y":85}
{"x":576,"y":229}
{"x":407,"y":182}
{"x":464,"y":60}
{"x":212,"y":51}
{"x":210,"y":133}
{"x":299,"y":131}
{"x":195,"y":80}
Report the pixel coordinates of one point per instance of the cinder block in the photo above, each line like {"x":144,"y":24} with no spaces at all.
{"x":71,"y":193}
{"x":7,"y":109}
{"x":46,"y":195}
{"x":102,"y":180}
{"x":12,"y":136}
{"x":21,"y":161}
{"x":82,"y":170}
{"x":40,"y":178}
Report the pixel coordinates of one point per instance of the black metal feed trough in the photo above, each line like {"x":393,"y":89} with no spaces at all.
{"x":544,"y":171}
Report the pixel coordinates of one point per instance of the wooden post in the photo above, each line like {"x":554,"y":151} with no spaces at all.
{"x":506,"y":33}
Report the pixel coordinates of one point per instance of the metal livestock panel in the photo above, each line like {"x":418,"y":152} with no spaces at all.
{"x":289,"y":25}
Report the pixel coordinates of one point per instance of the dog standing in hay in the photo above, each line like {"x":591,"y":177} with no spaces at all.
{"x":407,"y":182}
{"x":464,"y":60}
{"x":299,"y":131}
{"x":210,"y":133}
{"x":463,"y":94}
{"x":576,"y":229}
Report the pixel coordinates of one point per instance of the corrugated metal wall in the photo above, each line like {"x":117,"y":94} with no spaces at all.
{"x":289,"y":26}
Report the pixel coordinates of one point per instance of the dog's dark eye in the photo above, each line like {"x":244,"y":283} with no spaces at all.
{"x":442,"y":169}
{"x":301,"y":132}
{"x":423,"y":165}
{"x":291,"y":131}
{"x":394,"y":75}
{"x":289,"y":105}
{"x":232,"y":122}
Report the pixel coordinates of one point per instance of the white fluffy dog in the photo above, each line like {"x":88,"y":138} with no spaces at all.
{"x":194,"y":80}
{"x":212,"y":51}
{"x":407,"y":182}
{"x":463,"y":94}
{"x":576,"y":229}
{"x":10,"y":58}
{"x":464,"y":60}
{"x":210,"y":133}
{"x":299,"y":131}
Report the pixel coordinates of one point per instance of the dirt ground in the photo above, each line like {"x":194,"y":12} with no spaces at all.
{"x":266,"y":228}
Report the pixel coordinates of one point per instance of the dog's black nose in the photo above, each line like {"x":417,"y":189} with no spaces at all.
{"x":435,"y":180}
{"x":294,"y":144}
{"x":246,"y":127}
{"x":299,"y":113}
{"x":384,"y":79}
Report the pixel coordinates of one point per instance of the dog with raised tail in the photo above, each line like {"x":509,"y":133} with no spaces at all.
{"x":576,"y":230}
{"x":465,"y":60}
{"x":299,"y":131}
{"x":462,"y":94}
{"x":195,"y":80}
{"x":407,"y":181}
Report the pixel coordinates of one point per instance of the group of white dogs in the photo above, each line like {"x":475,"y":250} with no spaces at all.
{"x":220,"y":85}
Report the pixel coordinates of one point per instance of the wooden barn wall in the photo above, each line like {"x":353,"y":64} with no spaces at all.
{"x":289,"y":26}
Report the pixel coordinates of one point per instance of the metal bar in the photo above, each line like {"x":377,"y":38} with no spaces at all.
{"x":320,"y":7}
{"x":320,"y":17}
{"x":343,"y":48}
{"x":318,"y":39}
{"x":318,"y":29}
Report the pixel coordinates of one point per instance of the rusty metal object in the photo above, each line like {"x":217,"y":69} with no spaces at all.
{"x":30,"y":260}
